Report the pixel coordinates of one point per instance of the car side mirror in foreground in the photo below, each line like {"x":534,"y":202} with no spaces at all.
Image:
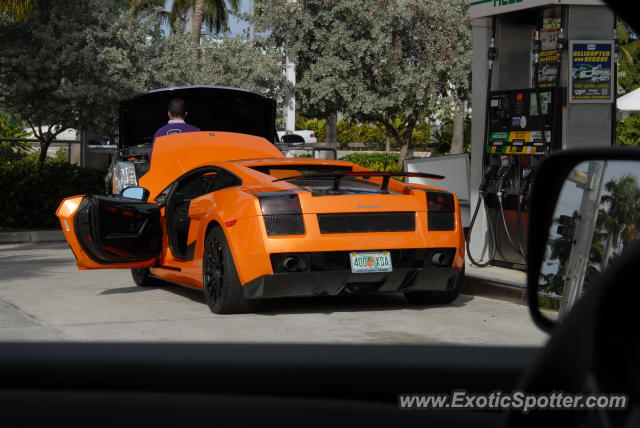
{"x":139,"y":193}
{"x":585,"y":210}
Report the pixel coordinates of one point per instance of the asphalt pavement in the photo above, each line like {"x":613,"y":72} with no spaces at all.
{"x":43,"y":297}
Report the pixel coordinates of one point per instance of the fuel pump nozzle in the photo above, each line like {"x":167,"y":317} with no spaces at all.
{"x":490,"y":176}
{"x":525,"y":185}
{"x":503,"y":173}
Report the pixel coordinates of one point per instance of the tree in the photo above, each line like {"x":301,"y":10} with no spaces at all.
{"x":621,"y":215}
{"x":70,"y":66}
{"x":310,"y":35}
{"x":387,"y":62}
{"x":238,"y":63}
{"x":212,"y":14}
{"x":457,"y":140}
{"x":442,"y":138}
{"x":628,"y":130}
{"x":628,"y":66}
{"x":17,"y":10}
{"x":12,"y":128}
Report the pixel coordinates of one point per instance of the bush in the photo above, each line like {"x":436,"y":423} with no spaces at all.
{"x":30,"y":194}
{"x":11,"y":128}
{"x":368,"y":133}
{"x":349,"y":132}
{"x":628,"y":131}
{"x":318,"y":126}
{"x":376,"y":161}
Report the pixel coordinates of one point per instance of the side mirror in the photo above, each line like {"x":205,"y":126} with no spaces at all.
{"x":139,"y":193}
{"x":585,"y":211}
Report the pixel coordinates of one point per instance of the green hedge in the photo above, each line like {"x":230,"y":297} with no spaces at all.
{"x":376,"y":161}
{"x":351,"y":132}
{"x":318,"y":126}
{"x":30,"y":195}
{"x":628,"y":131}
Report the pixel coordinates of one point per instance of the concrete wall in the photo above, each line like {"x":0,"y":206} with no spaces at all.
{"x":588,"y":23}
{"x":481,"y":37}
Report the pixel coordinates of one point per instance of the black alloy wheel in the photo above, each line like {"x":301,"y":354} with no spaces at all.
{"x":222,"y":288}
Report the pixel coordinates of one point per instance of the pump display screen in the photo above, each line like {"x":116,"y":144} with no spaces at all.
{"x":515,"y":123}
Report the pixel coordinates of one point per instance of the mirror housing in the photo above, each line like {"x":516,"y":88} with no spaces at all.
{"x":138,"y":193}
{"x":549,"y":181}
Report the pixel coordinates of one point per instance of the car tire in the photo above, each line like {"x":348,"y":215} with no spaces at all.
{"x":142,"y":278}
{"x":222,"y":288}
{"x":424,"y":298}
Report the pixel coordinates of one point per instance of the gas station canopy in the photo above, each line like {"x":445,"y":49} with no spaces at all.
{"x":480,"y":8}
{"x":629,"y":102}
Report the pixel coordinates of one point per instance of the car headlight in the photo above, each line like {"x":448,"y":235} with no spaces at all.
{"x":124,"y":175}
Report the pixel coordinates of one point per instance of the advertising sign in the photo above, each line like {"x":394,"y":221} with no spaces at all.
{"x":591,"y":71}
{"x":549,"y":58}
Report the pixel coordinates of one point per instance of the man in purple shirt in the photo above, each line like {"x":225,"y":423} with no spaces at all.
{"x":176,"y":125}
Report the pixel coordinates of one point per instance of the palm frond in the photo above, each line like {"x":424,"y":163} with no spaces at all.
{"x":18,"y":9}
{"x":627,"y":55}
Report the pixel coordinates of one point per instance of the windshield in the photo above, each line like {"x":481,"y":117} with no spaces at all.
{"x":321,"y":178}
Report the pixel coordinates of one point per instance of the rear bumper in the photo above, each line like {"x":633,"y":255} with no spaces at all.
{"x":332,"y":283}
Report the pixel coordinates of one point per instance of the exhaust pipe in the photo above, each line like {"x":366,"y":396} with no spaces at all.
{"x":291,"y":264}
{"x":439,"y":259}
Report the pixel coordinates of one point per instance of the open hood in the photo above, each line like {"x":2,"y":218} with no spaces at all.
{"x":210,"y":108}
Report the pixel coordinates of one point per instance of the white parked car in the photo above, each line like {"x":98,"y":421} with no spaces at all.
{"x":299,"y":136}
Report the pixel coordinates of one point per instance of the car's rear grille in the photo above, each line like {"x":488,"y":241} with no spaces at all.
{"x":367,"y":222}
{"x":284,"y":224}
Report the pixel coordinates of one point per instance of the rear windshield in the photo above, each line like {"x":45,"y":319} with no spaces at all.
{"x":357,"y":184}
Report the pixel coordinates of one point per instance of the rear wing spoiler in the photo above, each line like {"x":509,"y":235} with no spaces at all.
{"x":384,"y":187}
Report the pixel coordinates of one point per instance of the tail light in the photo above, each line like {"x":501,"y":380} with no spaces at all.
{"x":312,"y":135}
{"x":282,"y":213}
{"x":278,"y":203}
{"x":441,"y":211}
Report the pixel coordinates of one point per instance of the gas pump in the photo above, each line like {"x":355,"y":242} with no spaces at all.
{"x":515,"y":147}
{"x":525,"y":115}
{"x":518,"y":136}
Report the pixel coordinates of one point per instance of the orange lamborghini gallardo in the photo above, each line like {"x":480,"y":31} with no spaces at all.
{"x":224,"y":211}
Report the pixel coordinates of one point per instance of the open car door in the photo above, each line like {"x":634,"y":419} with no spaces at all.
{"x":111,"y":232}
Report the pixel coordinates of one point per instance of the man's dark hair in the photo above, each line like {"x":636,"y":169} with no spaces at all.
{"x":177,"y":107}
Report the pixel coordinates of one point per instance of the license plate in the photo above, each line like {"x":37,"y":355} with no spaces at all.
{"x":371,"y":261}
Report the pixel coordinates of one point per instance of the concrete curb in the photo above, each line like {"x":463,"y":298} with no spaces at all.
{"x":31,"y":236}
{"x":495,"y":290}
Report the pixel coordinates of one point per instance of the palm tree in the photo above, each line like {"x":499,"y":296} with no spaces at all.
{"x":213,"y":14}
{"x":18,"y":10}
{"x":628,"y":45}
{"x":621,"y":216}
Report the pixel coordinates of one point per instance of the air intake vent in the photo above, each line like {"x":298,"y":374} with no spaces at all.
{"x":284,"y":224}
{"x":367,"y":222}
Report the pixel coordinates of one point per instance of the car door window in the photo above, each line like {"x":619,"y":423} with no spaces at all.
{"x":192,"y":186}
{"x":188,"y":188}
{"x":224,"y":180}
